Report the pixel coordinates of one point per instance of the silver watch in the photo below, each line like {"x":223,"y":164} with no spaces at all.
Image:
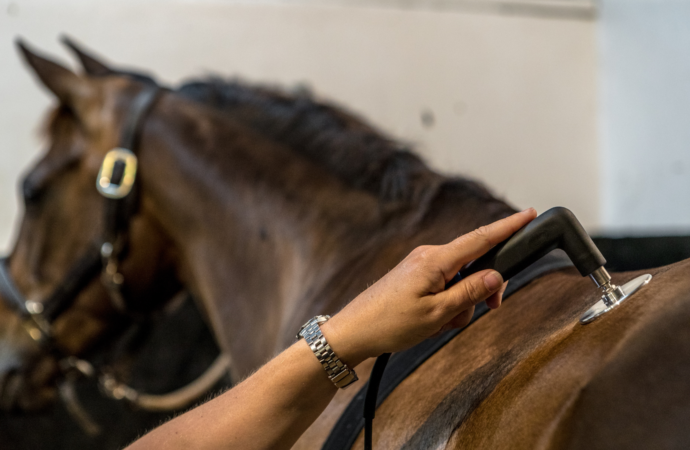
{"x":338,"y":372}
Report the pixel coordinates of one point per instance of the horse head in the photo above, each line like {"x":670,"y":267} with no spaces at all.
{"x":64,"y":217}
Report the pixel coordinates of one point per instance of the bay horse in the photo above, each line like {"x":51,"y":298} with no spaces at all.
{"x":267,"y":234}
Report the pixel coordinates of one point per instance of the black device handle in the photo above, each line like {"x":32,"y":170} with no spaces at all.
{"x":556,"y":228}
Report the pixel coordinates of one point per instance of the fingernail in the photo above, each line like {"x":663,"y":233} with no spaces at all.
{"x":493,"y":281}
{"x":528,"y":210}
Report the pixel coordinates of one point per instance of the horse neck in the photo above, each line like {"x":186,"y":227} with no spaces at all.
{"x":256,"y":225}
{"x":268,"y":238}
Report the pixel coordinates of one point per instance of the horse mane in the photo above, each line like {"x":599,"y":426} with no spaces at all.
{"x":341,"y":142}
{"x":337,"y":140}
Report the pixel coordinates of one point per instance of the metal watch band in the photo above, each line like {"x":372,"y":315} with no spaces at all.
{"x":338,"y":372}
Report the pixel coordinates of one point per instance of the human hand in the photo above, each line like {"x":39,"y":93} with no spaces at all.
{"x":409,"y":304}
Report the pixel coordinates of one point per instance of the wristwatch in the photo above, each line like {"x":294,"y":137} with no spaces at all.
{"x":338,"y":372}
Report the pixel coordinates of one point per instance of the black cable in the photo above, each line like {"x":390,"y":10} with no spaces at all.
{"x":375,"y":381}
{"x":372,"y":395}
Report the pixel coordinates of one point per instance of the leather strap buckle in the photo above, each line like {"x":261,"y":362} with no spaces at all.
{"x":344,"y":378}
{"x":120,"y":188}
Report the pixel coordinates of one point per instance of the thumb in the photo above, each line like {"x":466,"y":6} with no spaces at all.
{"x":468,"y":292}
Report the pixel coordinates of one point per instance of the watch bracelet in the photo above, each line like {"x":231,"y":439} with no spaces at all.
{"x":338,"y":372}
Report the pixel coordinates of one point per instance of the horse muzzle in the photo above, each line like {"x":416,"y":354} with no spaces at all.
{"x":27,"y":375}
{"x":26,"y":385}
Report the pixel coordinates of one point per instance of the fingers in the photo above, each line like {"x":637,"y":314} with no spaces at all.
{"x":464,"y":295}
{"x":463,"y":319}
{"x":453,"y":256}
{"x":495,"y":299}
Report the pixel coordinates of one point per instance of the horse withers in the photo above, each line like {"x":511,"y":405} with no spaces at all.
{"x":270,"y":231}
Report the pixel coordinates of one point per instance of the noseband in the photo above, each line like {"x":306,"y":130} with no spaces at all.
{"x":116,"y":182}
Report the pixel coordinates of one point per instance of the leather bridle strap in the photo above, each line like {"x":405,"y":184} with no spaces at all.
{"x":89,"y":265}
{"x":78,"y":277}
{"x":118,"y":212}
{"x":40,"y":315}
{"x":401,"y":365}
{"x":9,"y":291}
{"x":133,"y":122}
{"x":64,"y":295}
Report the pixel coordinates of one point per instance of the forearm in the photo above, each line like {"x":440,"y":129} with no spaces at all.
{"x":270,"y":409}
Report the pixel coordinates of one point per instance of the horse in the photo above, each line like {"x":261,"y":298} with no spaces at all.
{"x":266,"y":236}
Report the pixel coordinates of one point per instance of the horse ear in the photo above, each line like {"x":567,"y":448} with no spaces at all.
{"x":92,"y":66}
{"x":65,"y":84}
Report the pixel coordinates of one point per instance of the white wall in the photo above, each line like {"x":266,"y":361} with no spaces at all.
{"x":645,"y":115}
{"x":513,"y":96}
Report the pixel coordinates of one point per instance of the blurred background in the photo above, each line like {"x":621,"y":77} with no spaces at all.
{"x":577,"y":103}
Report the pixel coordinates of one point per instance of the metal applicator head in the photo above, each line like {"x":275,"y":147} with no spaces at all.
{"x":611,"y":295}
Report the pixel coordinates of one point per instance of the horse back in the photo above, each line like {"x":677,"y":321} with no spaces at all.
{"x":529,"y":375}
{"x":640,"y":396}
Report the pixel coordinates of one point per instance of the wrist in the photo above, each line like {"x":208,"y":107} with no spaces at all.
{"x":344,"y":344}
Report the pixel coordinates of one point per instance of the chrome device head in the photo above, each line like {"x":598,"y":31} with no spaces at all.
{"x":611,"y":295}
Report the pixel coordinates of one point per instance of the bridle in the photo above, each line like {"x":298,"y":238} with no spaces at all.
{"x":117,"y":183}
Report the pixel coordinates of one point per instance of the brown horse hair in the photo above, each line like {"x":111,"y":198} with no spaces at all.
{"x":328,"y":134}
